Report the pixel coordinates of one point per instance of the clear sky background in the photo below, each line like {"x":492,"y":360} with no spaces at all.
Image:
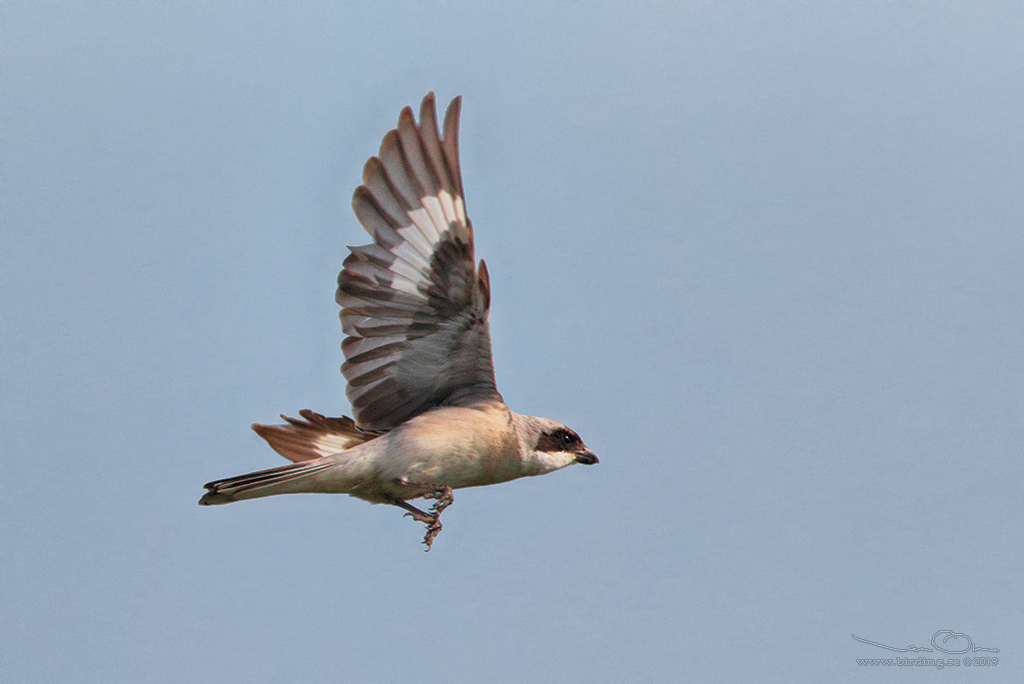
{"x":766,"y":258}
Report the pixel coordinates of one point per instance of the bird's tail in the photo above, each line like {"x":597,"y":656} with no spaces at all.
{"x":288,"y":479}
{"x":313,"y":436}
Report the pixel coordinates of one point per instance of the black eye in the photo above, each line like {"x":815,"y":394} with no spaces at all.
{"x":560,"y":439}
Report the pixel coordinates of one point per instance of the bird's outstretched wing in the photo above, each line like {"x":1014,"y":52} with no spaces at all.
{"x":414,"y":305}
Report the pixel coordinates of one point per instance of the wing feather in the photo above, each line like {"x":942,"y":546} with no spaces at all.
{"x":414,"y":304}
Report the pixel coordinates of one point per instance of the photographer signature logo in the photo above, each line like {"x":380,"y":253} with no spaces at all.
{"x":943,"y":636}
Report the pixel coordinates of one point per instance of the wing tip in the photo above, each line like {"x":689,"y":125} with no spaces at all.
{"x":484,"y":281}
{"x":428,"y":107}
{"x":454,"y":108}
{"x":406,"y":117}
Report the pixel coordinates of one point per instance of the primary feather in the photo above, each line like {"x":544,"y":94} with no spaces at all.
{"x":414,"y":304}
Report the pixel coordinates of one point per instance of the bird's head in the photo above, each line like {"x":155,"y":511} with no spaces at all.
{"x":549,"y":445}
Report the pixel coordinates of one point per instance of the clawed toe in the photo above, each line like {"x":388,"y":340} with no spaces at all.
{"x":420,"y":516}
{"x":443,"y":498}
{"x":432,"y":530}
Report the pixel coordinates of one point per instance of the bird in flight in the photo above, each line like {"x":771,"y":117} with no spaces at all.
{"x":428,"y":417}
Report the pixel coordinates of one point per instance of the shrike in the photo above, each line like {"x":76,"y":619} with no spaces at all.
{"x":428,"y":417}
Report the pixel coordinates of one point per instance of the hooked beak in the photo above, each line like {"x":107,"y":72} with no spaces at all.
{"x":586,"y":457}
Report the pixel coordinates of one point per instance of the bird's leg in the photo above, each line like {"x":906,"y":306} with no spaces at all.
{"x":414,"y":513}
{"x":443,"y":498}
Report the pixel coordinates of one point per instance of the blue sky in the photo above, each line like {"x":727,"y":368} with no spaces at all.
{"x":766,"y":258}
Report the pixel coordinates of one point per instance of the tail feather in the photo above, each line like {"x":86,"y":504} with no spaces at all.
{"x":315,"y":437}
{"x":291,"y":478}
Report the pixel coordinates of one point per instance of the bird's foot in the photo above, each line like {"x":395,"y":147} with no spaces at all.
{"x":419,"y":516}
{"x":443,"y":498}
{"x":432,"y":531}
